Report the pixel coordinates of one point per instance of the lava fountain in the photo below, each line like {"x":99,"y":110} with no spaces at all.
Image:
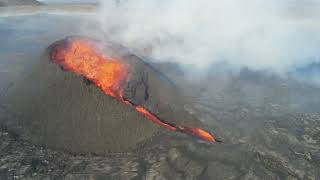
{"x":82,"y":57}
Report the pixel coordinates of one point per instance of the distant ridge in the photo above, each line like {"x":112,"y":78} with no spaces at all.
{"x":18,"y":2}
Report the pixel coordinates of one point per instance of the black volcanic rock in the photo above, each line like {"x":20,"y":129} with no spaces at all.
{"x":59,"y":109}
{"x":18,"y":2}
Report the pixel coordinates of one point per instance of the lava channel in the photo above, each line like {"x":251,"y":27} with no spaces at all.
{"x":81,"y":57}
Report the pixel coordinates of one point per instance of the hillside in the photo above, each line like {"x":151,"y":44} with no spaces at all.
{"x":18,"y":2}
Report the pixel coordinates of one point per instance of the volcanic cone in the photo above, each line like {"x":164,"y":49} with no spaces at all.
{"x":57,"y":108}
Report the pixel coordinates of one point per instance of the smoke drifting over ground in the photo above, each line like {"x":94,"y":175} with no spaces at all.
{"x":257,"y":34}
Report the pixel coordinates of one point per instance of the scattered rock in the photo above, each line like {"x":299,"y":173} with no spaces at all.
{"x":193,"y":169}
{"x":177,"y":160}
{"x":24,"y":170}
{"x":307,"y":156}
{"x":78,"y":177}
{"x":162,"y":171}
{"x":251,"y":176}
{"x":309,"y":139}
{"x":173,"y":154}
{"x":217,"y":170}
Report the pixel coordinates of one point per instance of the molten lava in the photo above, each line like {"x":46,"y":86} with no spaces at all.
{"x":81,"y":57}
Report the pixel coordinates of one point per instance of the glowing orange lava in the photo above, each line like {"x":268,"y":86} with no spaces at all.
{"x":155,"y":119}
{"x":81,"y":57}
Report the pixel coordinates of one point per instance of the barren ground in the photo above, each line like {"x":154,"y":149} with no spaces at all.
{"x":270,"y":125}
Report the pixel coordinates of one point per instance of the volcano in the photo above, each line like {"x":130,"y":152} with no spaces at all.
{"x":57,"y":106}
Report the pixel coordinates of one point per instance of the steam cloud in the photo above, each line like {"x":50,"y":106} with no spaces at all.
{"x":258,"y":34}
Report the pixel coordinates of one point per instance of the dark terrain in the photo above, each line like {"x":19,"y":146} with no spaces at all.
{"x":18,"y":2}
{"x":270,"y":125}
{"x":273,"y":141}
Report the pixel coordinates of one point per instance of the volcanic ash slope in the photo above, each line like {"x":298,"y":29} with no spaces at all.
{"x":58,"y":109}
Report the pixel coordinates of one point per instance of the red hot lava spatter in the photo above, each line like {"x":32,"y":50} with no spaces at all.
{"x":82,"y":57}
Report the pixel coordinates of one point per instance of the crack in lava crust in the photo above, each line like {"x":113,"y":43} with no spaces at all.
{"x":81,"y":57}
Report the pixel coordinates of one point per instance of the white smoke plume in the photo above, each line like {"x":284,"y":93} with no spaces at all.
{"x":258,"y":34}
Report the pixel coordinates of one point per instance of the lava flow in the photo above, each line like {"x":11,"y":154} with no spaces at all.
{"x":81,"y":57}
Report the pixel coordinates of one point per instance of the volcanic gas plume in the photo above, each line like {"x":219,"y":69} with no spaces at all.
{"x":82,"y":57}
